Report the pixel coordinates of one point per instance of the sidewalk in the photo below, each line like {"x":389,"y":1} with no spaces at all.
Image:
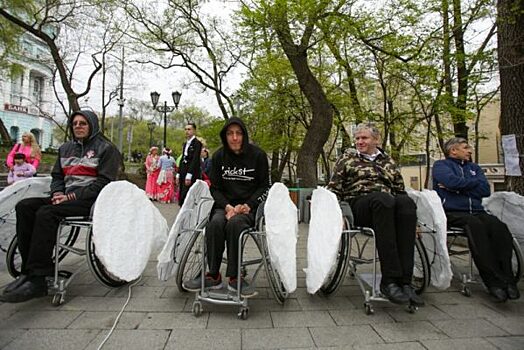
{"x":159,"y":317}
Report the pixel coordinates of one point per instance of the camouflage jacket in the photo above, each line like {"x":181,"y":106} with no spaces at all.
{"x":355,"y":175}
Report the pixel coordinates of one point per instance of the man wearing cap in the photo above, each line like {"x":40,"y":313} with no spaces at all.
{"x":83,"y":167}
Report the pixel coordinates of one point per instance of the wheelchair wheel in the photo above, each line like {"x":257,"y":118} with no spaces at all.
{"x":516,"y":260}
{"x":14,"y":260}
{"x":339,"y":270}
{"x":421,"y":271}
{"x":190,"y":265}
{"x":273,"y":277}
{"x":95,"y":265}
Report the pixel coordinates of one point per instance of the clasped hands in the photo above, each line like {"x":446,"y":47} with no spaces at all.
{"x":58,"y":197}
{"x":238,"y":209}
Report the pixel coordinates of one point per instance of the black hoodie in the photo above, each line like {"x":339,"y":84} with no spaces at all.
{"x":239,"y":178}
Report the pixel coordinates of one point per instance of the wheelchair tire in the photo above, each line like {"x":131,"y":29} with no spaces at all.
{"x":516,"y":260}
{"x":95,"y":265}
{"x":339,"y":272}
{"x":421,"y":271}
{"x":14,"y":260}
{"x":190,"y":265}
{"x":275,"y":283}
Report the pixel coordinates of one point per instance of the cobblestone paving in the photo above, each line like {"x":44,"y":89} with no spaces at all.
{"x":158,"y":316}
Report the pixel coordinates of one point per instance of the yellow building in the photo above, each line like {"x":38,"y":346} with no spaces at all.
{"x":489,"y":153}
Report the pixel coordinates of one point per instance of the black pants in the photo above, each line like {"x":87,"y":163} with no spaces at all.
{"x":37,"y":223}
{"x":221,"y":232}
{"x":182,"y":188}
{"x":394,"y":220}
{"x":490,"y":243}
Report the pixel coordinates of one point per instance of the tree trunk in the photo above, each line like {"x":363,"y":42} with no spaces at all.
{"x":321,"y":120}
{"x":510,"y":20}
{"x":459,"y":116}
{"x":322,"y":112}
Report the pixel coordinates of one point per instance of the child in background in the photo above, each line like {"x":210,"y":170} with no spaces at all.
{"x":21,"y":170}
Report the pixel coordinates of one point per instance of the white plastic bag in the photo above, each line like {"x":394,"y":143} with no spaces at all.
{"x":325,"y":231}
{"x":508,"y":207}
{"x":431,"y":214}
{"x":9,"y":197}
{"x":127,"y":227}
{"x":195,"y":210}
{"x":281,"y":232}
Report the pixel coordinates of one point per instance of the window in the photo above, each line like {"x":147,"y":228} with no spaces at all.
{"x":14,"y":132}
{"x":37,"y":91}
{"x":38,"y":135}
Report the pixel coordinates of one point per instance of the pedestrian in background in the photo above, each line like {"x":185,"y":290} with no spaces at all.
{"x":166,"y":177}
{"x":29,"y":147}
{"x":189,"y":167}
{"x":21,"y":170}
{"x":152,"y":171}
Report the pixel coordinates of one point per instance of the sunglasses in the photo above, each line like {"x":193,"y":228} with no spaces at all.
{"x":80,"y":123}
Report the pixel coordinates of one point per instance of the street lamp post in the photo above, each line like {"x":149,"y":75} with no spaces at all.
{"x":151,"y":127}
{"x":165,"y":108}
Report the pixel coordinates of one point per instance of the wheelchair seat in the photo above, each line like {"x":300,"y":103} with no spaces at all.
{"x":353,"y":254}
{"x":193,"y":264}
{"x":458,"y":245}
{"x":67,"y":241}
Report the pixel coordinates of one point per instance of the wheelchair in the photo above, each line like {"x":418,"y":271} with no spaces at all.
{"x":352,"y":255}
{"x":193,"y":262}
{"x":457,"y":248}
{"x":67,"y":236}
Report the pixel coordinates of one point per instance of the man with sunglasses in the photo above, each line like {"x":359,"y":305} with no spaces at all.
{"x":83,"y":167}
{"x":189,"y":167}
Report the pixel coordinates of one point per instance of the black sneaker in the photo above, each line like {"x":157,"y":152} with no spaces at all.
{"x":210,"y":282}
{"x":15,"y":284}
{"x":33,"y":287}
{"x":414,"y":298}
{"x":394,"y":293}
{"x":499,"y":294}
{"x":245,"y":289}
{"x":512,"y":291}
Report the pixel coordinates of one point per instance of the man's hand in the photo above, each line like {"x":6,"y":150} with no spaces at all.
{"x":238,"y":209}
{"x":58,"y":198}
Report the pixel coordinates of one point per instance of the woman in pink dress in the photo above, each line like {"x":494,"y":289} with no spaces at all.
{"x":29,"y":147}
{"x":166,"y":178}
{"x":152,"y":171}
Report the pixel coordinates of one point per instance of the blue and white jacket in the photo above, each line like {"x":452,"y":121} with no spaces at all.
{"x":460,"y":184}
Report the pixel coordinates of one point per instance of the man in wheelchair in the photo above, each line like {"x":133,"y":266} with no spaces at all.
{"x":83,"y":167}
{"x":239,"y":183}
{"x":461,"y":185}
{"x":369,"y":180}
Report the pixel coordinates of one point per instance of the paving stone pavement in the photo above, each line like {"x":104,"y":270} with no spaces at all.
{"x":158,"y":316}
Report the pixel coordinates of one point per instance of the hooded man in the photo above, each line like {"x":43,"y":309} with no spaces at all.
{"x":239,"y":183}
{"x":83,"y":167}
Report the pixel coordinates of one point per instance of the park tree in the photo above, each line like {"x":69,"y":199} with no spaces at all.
{"x":57,"y":24}
{"x":184,"y":36}
{"x":295,"y":25}
{"x":510,"y":21}
{"x":461,"y":56}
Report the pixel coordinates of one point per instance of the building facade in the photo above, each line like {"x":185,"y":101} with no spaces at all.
{"x":26,"y":100}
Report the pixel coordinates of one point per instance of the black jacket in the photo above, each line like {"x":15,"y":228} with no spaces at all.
{"x":239,"y":178}
{"x":190,"y":164}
